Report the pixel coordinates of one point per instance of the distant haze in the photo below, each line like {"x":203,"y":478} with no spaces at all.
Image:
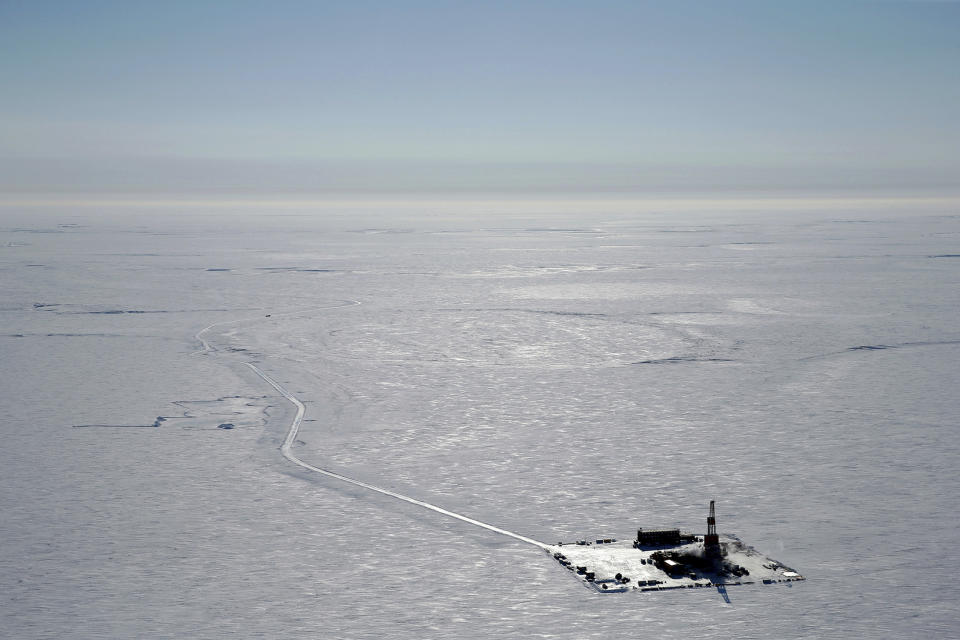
{"x":509,"y":96}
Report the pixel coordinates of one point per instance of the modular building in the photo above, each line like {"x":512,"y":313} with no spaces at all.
{"x":658,"y":537}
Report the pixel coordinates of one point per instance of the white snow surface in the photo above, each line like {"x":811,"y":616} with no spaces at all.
{"x":556,"y":374}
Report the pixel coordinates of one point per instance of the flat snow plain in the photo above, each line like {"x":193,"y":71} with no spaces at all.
{"x":562,"y":372}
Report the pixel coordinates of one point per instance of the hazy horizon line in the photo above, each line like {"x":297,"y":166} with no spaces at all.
{"x":720,"y":201}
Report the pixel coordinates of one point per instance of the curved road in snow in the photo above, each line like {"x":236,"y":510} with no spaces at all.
{"x":286,"y":448}
{"x":289,"y":455}
{"x":207,"y":347}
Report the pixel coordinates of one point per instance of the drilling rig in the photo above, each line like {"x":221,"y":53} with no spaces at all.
{"x":711,"y":541}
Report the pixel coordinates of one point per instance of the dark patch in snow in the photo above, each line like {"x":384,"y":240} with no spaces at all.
{"x":539,"y":311}
{"x":541,"y":230}
{"x":142,"y":255}
{"x":298,"y":270}
{"x":945,"y":255}
{"x":679,"y":359}
{"x":117,"y":426}
{"x":66,"y":335}
{"x":582,"y":314}
{"x":85,"y":335}
{"x":218,"y":269}
{"x":883,"y":347}
{"x":872,"y":347}
{"x":902,"y":345}
{"x":225,"y":425}
{"x":116,"y":312}
{"x":72,"y":335}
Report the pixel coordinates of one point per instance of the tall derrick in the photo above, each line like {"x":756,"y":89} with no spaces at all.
{"x":711,"y":541}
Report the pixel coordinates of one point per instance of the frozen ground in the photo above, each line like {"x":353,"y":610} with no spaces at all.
{"x":561,"y":374}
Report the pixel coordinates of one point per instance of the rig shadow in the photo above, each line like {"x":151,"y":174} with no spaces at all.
{"x":722,"y":590}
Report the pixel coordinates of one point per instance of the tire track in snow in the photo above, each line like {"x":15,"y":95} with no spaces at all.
{"x":289,"y":455}
{"x":206,"y":347}
{"x":286,"y":448}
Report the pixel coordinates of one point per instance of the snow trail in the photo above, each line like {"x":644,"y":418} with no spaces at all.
{"x":285,"y":449}
{"x":207,"y":347}
{"x":289,"y":455}
{"x":287,"y":452}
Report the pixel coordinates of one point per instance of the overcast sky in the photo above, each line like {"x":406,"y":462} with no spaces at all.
{"x":409,"y":94}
